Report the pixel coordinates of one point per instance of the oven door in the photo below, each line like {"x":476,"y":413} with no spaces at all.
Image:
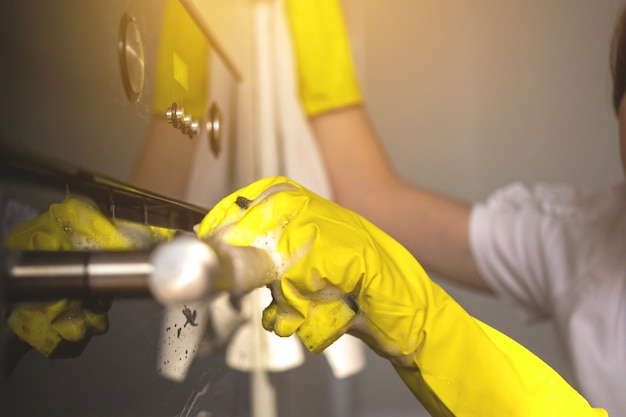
{"x":132,"y":104}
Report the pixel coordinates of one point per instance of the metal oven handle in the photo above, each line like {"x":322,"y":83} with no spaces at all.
{"x":179,"y":271}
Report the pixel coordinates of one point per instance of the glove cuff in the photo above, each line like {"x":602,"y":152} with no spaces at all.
{"x":327,"y":79}
{"x":465,"y":367}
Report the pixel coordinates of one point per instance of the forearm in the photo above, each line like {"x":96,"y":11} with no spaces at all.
{"x":355,"y":160}
{"x":432,"y":226}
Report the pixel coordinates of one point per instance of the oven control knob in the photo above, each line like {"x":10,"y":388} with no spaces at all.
{"x":214,"y":129}
{"x":182,"y":121}
{"x":131,"y":57}
{"x":175,"y":115}
{"x":186,"y":123}
{"x":193,"y":129}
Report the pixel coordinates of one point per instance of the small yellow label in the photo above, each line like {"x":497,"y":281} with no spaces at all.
{"x":181,"y":72}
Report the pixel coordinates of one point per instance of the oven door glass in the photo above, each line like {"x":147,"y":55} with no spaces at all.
{"x":135,"y":104}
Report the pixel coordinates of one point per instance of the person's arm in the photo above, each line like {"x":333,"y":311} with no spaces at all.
{"x":335,"y":272}
{"x":432,"y":226}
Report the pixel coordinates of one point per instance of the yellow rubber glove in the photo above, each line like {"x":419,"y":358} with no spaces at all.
{"x":326,"y":76}
{"x":62,"y":328}
{"x":338,"y":273}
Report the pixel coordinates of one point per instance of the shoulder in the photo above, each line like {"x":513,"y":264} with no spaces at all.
{"x":552,"y":207}
{"x":556,"y":214}
{"x":535,"y":241}
{"x":555,"y":199}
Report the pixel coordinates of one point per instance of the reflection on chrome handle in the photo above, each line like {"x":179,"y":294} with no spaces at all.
{"x":179,"y":271}
{"x":46,"y":275}
{"x":187,"y":269}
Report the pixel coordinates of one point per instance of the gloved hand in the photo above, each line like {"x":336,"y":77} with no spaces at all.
{"x":326,"y":76}
{"x":337,"y":273}
{"x":62,"y":328}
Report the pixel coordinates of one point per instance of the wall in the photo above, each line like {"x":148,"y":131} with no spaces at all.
{"x":470,"y":95}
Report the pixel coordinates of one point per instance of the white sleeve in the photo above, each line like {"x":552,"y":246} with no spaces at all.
{"x":519,"y":241}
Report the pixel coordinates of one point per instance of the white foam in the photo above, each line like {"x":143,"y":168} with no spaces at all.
{"x":269,"y":243}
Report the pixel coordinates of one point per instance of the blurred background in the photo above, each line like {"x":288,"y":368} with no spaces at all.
{"x":466,"y":96}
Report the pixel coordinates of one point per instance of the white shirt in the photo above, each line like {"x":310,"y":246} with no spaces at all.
{"x":559,"y":252}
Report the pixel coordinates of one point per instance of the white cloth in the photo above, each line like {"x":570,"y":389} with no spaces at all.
{"x":559,"y":252}
{"x":286,"y":146}
{"x":301,"y":158}
{"x":251,"y":347}
{"x":303,"y":163}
